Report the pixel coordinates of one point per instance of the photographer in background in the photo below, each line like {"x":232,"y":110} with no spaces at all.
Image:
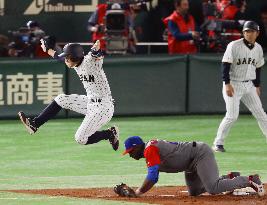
{"x":262,"y":39}
{"x":20,"y":46}
{"x":26,"y":41}
{"x":223,"y":23}
{"x":112,"y":24}
{"x":182,"y":31}
{"x":96,"y":24}
{"x":36,"y":33}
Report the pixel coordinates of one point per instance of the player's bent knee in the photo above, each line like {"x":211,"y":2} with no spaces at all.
{"x":60,"y":99}
{"x":232,"y":119}
{"x":80,"y":140}
{"x":212,"y":190}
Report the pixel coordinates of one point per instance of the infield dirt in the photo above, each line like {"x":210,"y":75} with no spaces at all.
{"x":170,"y":195}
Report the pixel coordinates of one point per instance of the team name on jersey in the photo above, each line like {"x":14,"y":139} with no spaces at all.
{"x":246,"y":61}
{"x":87,"y":78}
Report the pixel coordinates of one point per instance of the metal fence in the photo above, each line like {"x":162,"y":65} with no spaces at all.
{"x":148,"y":45}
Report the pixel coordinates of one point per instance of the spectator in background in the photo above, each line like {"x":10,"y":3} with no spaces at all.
{"x":4,"y":46}
{"x":181,"y":29}
{"x":262,"y":39}
{"x":157,"y":13}
{"x":196,"y":10}
{"x":232,"y":9}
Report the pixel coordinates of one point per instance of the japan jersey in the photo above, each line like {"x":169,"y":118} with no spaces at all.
{"x":244,"y":60}
{"x":93,"y":77}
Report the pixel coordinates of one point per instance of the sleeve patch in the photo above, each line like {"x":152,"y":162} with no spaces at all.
{"x":152,"y":156}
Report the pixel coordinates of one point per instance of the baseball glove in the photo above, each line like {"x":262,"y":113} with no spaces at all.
{"x":96,"y":52}
{"x":48,"y":42}
{"x":124,"y":190}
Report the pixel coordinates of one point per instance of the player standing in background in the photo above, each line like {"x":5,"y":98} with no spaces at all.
{"x":241,"y":66}
{"x":97,"y":105}
{"x":196,"y":159}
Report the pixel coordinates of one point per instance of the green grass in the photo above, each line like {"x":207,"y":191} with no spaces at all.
{"x":7,"y":198}
{"x":52,"y":159}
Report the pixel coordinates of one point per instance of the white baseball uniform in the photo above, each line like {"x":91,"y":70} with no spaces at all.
{"x":97,"y":105}
{"x":244,"y":62}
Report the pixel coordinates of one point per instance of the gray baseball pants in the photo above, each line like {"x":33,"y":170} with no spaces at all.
{"x":205,"y":176}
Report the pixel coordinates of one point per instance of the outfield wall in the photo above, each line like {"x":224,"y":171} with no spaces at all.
{"x":141,"y":85}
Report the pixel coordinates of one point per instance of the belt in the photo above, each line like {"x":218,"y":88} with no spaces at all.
{"x":99,"y":100}
{"x":194,"y":144}
{"x":244,"y":81}
{"x":96,"y":99}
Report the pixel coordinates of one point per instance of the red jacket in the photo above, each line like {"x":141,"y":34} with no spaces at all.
{"x":229,"y":13}
{"x":182,"y":47}
{"x":101,"y":12}
{"x":39,"y":53}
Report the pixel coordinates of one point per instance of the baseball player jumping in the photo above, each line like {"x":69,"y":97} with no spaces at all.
{"x":97,"y":105}
{"x":196,"y":159}
{"x":241,"y":66}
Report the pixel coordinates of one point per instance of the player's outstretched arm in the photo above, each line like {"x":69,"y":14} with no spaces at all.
{"x":147,"y":185}
{"x":257,"y":81}
{"x":96,"y":52}
{"x":226,"y":78}
{"x":46,"y":48}
{"x":258,"y":90}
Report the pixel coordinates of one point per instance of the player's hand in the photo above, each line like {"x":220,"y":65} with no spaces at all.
{"x":94,"y":28}
{"x":96,"y":46}
{"x":195,"y":35}
{"x":258,"y":90}
{"x":43,"y":45}
{"x":96,"y":52}
{"x":229,"y":90}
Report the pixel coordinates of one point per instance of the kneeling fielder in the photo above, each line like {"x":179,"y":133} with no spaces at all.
{"x":195,"y":159}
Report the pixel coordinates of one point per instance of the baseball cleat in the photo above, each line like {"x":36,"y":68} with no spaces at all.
{"x":256,"y":184}
{"x":114,"y":139}
{"x":28,"y":123}
{"x":218,"y":148}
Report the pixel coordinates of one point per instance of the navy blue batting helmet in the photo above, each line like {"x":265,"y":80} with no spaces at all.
{"x":74,"y":50}
{"x":251,"y":25}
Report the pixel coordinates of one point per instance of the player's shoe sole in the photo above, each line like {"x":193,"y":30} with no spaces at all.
{"x":218,"y":148}
{"x":26,"y":122}
{"x":256,"y":184}
{"x":114,"y":140}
